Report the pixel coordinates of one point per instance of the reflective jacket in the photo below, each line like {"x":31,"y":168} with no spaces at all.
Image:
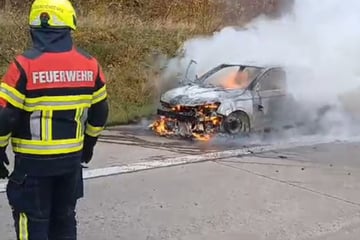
{"x":58,"y":96}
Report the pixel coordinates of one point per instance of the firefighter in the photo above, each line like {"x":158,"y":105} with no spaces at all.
{"x":53,"y":107}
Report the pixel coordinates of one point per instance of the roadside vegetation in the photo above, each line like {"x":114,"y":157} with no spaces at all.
{"x":127,"y":35}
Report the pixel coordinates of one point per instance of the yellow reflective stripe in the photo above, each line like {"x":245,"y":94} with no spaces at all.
{"x":23,"y":227}
{"x":58,"y":107}
{"x":4,"y":140}
{"x":12,"y":95}
{"x":56,"y":99}
{"x":93,"y":131}
{"x":25,"y":149}
{"x":47,"y":143}
{"x":79,"y":127}
{"x":46,"y":125}
{"x":49,"y":147}
{"x":12,"y":90}
{"x":57,"y":102}
{"x":49,"y":121}
{"x":99,"y":95}
{"x":43,"y":125}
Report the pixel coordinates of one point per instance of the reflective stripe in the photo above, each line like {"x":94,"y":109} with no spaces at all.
{"x":93,"y":131}
{"x":84,"y":118}
{"x":46,"y":125}
{"x":43,"y":126}
{"x":12,"y":95}
{"x":99,"y":95}
{"x":51,"y":147}
{"x":50,"y":143}
{"x":71,"y":98}
{"x":57,"y":103}
{"x":35,"y":123}
{"x":50,"y":125}
{"x":17,"y":99}
{"x":78,"y":117}
{"x":23,"y":227}
{"x":4,"y":140}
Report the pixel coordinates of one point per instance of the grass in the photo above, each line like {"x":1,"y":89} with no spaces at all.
{"x":127,"y":35}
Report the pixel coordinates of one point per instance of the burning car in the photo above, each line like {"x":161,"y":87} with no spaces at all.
{"x":234,"y":99}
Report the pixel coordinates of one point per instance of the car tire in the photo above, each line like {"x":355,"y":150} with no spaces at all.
{"x":237,"y":123}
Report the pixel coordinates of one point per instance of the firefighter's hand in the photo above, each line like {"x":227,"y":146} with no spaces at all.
{"x":89,"y":144}
{"x":86,"y":155}
{"x":4,"y":172}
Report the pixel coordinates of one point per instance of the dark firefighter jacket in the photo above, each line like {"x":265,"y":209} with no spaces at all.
{"x":52,"y":98}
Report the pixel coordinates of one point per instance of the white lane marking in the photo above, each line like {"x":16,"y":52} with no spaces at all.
{"x":142,"y":166}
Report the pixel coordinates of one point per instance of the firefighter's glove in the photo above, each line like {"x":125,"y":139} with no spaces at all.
{"x":4,"y":172}
{"x":89,"y":144}
{"x":86,"y":155}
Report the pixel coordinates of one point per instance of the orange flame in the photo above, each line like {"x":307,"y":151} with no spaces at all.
{"x":159,"y":126}
{"x":200,"y":137}
{"x":236,"y":80}
{"x":202,"y":130}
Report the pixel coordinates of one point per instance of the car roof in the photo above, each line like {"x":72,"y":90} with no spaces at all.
{"x":254,"y":65}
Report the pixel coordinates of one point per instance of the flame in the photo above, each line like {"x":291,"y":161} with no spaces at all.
{"x":177,"y":108}
{"x":207,"y":123}
{"x":200,"y":137}
{"x":211,"y":106}
{"x":236,"y":80}
{"x":202,"y":129}
{"x":159,"y":126}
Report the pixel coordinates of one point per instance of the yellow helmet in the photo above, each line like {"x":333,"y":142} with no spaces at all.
{"x":52,"y":13}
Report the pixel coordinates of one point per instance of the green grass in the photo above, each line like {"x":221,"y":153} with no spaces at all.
{"x":126,"y":36}
{"x":125,"y":114}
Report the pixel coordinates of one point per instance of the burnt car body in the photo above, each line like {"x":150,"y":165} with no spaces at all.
{"x":207,"y":105}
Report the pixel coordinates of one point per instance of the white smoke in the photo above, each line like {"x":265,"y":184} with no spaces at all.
{"x":320,"y":39}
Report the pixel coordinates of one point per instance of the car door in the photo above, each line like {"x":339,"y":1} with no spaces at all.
{"x":269,"y":97}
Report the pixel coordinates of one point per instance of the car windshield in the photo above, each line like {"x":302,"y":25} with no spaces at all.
{"x":230,"y":76}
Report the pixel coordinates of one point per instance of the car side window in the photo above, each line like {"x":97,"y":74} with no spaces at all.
{"x":274,"y":79}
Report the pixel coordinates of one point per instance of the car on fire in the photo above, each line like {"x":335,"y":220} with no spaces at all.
{"x":235,"y":99}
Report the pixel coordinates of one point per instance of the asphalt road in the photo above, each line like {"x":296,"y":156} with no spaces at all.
{"x":310,"y":192}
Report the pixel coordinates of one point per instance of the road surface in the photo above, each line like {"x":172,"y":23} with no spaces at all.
{"x":293,"y":192}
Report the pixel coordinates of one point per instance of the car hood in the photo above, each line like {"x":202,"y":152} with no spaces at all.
{"x":192,"y":95}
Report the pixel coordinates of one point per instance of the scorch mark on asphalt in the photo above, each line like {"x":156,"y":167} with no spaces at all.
{"x":191,"y":159}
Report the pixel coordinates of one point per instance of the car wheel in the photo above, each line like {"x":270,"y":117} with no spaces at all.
{"x":237,"y":123}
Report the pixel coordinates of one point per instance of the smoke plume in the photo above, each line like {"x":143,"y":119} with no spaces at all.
{"x":318,"y":43}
